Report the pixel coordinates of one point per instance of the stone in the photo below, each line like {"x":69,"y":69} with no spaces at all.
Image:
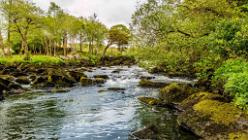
{"x":175,"y":93}
{"x":101,"y":76}
{"x":214,"y":119}
{"x":149,"y":132}
{"x":150,"y":101}
{"x":200,"y":96}
{"x":152,"y":84}
{"x":116,"y":89}
{"x":88,"y":81}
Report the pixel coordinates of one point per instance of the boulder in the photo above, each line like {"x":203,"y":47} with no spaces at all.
{"x":152,"y":84}
{"x":175,"y":93}
{"x":211,"y":119}
{"x":200,"y":96}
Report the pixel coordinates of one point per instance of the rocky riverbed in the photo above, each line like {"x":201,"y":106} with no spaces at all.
{"x":122,"y":102}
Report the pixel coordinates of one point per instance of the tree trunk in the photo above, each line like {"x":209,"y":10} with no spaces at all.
{"x":54,"y":48}
{"x":1,"y":43}
{"x":65,"y":44}
{"x":81,"y":43}
{"x":105,"y":50}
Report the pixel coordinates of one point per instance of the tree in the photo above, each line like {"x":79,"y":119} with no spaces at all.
{"x":119,"y":35}
{"x":95,"y":33}
{"x":24,"y":18}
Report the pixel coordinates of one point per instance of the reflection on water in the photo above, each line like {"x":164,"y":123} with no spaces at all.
{"x":84,"y":113}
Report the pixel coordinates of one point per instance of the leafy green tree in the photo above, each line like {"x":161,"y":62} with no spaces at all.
{"x":95,"y":33}
{"x":25,"y":17}
{"x":119,"y":35}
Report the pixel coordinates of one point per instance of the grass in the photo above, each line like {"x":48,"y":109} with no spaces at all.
{"x":35,"y":59}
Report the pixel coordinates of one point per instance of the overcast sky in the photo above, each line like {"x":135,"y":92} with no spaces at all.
{"x":110,"y":12}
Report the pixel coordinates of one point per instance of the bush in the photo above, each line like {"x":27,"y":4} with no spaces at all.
{"x":233,"y":77}
{"x":229,"y":68}
{"x":237,"y":87}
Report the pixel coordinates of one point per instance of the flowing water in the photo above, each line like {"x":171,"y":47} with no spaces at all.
{"x":89,"y":113}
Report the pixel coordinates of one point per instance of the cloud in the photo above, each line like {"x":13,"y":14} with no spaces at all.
{"x":110,"y":12}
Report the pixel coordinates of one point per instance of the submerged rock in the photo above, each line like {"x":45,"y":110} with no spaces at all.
{"x":59,"y":90}
{"x":152,"y":84}
{"x":175,"y":92}
{"x":212,"y":119}
{"x":146,"y":133}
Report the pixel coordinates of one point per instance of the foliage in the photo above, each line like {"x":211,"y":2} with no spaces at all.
{"x":237,"y":86}
{"x":234,"y":77}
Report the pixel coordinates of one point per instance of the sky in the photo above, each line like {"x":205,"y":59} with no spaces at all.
{"x":110,"y":12}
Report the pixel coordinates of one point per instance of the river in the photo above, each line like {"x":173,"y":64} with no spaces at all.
{"x":89,"y":113}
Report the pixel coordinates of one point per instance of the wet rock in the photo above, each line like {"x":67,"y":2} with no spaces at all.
{"x":116,"y":89}
{"x":76,"y":75}
{"x":101,"y":76}
{"x":212,"y":119}
{"x":117,"y":71}
{"x":147,"y":77}
{"x":23,"y":80}
{"x":175,"y":92}
{"x":152,"y":84}
{"x":88,"y":81}
{"x":150,"y":101}
{"x":149,"y":132}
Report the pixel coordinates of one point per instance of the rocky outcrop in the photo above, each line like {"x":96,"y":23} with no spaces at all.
{"x":213,"y":119}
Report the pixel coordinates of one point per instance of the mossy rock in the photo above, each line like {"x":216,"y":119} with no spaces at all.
{"x":213,"y":119}
{"x":76,"y":75}
{"x":88,"y":81}
{"x":150,"y":101}
{"x":238,"y":136}
{"x":175,"y":92}
{"x":219,"y":112}
{"x":200,"y":96}
{"x":152,"y":84}
{"x":7,"y":77}
{"x":23,"y":80}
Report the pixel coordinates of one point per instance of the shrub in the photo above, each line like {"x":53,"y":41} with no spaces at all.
{"x":237,"y":87}
{"x":229,"y":68}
